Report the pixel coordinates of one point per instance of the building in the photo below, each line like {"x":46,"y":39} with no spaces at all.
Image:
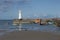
{"x":38,"y":21}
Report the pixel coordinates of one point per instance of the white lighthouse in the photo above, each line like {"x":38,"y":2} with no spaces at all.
{"x":20,"y":16}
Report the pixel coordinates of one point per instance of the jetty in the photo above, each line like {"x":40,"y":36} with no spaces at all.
{"x":20,"y":20}
{"x":57,"y":23}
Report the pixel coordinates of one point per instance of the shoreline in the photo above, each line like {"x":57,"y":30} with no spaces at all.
{"x":30,"y":35}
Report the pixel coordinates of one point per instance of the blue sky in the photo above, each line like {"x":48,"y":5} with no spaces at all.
{"x":30,"y":8}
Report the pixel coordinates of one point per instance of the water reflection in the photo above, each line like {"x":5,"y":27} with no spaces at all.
{"x":19,"y":27}
{"x":26,"y":27}
{"x":36,"y":27}
{"x":57,"y":29}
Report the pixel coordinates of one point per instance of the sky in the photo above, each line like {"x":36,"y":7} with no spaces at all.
{"x":9,"y":9}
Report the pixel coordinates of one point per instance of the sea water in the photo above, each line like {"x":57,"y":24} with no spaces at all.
{"x":7,"y":26}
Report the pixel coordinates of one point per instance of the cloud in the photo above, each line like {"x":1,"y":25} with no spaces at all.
{"x":36,"y":15}
{"x":6,"y":4}
{"x":45,"y":15}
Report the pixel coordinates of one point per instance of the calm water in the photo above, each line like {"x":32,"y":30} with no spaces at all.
{"x":6,"y":26}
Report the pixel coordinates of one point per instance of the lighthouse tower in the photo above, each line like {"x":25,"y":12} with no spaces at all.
{"x":20,"y":16}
